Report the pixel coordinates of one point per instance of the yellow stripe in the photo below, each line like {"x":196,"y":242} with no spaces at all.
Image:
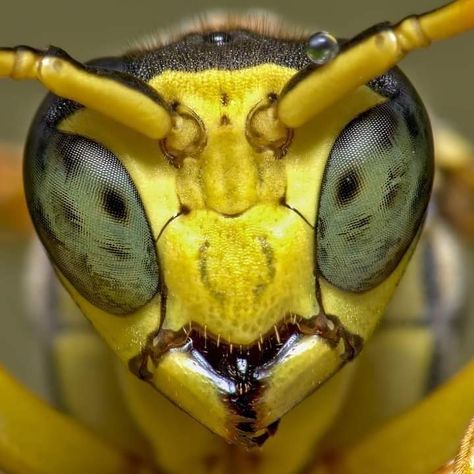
{"x":421,"y":440}
{"x":34,"y":438}
{"x":368,"y":59}
{"x":325,"y":86}
{"x":107,"y":96}
{"x":70,"y":80}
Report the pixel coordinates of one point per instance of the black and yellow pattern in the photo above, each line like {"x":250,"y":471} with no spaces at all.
{"x":233,"y":220}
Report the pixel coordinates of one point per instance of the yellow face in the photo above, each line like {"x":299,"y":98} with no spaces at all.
{"x":240,"y":274}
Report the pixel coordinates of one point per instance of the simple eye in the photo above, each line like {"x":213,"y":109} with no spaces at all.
{"x":90,"y":218}
{"x":374,"y":194}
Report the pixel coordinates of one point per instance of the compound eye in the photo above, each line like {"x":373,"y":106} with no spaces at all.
{"x":374,"y":194}
{"x":90,"y":218}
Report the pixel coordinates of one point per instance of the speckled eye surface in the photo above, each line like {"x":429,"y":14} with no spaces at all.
{"x":91,"y":220}
{"x":375,"y":191}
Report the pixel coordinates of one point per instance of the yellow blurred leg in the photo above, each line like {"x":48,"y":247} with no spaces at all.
{"x":90,"y":391}
{"x":419,"y":441}
{"x":34,"y":438}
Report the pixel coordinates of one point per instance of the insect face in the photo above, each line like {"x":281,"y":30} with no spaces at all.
{"x":235,"y":264}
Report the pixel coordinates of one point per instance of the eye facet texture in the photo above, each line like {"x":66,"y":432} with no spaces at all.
{"x":91,"y":220}
{"x":374,"y":194}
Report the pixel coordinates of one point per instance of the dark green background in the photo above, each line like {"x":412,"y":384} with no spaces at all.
{"x":444,"y":76}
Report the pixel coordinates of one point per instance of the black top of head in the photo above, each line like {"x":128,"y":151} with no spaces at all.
{"x":229,"y":50}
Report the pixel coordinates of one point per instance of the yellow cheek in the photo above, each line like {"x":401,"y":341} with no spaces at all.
{"x":125,"y":335}
{"x":360,"y":312}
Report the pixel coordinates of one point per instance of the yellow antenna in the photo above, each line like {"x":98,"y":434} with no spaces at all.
{"x":133,"y":104}
{"x":317,"y":88}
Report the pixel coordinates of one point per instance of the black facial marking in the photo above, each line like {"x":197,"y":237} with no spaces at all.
{"x":224,"y":99}
{"x":114,"y":204}
{"x":347,"y":188}
{"x":226,"y":50}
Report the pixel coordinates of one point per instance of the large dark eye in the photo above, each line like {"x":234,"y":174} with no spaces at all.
{"x":374,"y":194}
{"x":90,"y":218}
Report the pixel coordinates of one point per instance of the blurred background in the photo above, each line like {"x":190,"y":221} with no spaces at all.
{"x":444,"y":76}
